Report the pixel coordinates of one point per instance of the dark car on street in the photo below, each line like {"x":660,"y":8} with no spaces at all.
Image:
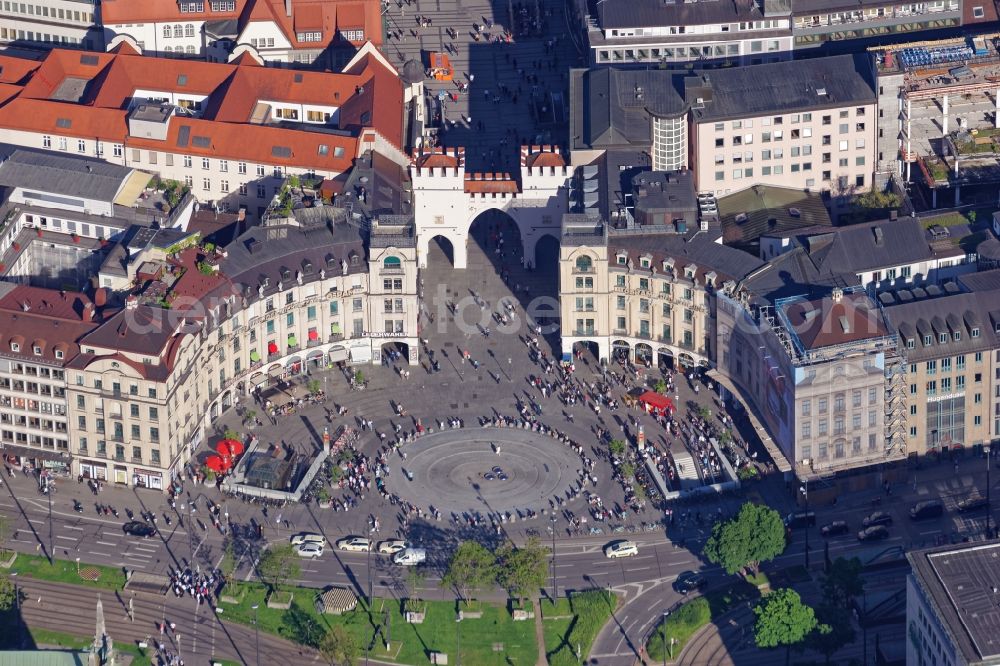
{"x":877,"y":518}
{"x":689,"y":581}
{"x":927,"y":509}
{"x":971,"y":504}
{"x":139,"y":529}
{"x":874,"y":533}
{"x":835,"y":528}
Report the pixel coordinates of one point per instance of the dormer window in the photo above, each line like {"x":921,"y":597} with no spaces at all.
{"x":957,"y":336}
{"x":975,"y":332}
{"x":15,"y":347}
{"x":622,"y":259}
{"x":37,"y":350}
{"x":59,"y":354}
{"x":910,"y":343}
{"x":927,"y":341}
{"x":644,"y":263}
{"x":942,"y":338}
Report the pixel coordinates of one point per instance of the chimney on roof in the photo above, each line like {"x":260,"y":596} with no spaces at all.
{"x":288,"y":7}
{"x":131,"y":302}
{"x":838,"y":295}
{"x":26,"y":305}
{"x":88,"y":312}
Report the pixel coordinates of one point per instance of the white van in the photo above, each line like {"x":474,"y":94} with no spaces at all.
{"x":410,"y":557}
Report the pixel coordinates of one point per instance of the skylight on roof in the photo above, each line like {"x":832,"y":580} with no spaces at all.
{"x":324,"y":149}
{"x":281,"y":151}
{"x":182,"y":79}
{"x":65,"y":123}
{"x":88,"y":60}
{"x":201,"y":142}
{"x":338,"y":151}
{"x":820,"y":91}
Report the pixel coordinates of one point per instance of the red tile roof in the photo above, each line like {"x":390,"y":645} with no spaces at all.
{"x":232,"y":93}
{"x":54,"y":321}
{"x":825,"y":323}
{"x":488,"y":183}
{"x":117,"y":12}
{"x":332,"y":17}
{"x":15,"y":70}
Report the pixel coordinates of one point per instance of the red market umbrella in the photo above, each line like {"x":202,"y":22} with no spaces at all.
{"x":216,"y":464}
{"x":229,"y":447}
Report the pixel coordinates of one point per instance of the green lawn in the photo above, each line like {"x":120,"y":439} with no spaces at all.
{"x":411,"y":644}
{"x":695,"y":614}
{"x":64,"y":571}
{"x":587,"y":612}
{"x":672,"y":635}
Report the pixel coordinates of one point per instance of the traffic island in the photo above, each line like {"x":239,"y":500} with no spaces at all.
{"x":683,"y":622}
{"x":570,"y":625}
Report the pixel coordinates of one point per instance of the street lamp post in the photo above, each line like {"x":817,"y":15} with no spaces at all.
{"x":665,"y":614}
{"x":989,"y":532}
{"x":804,"y":489}
{"x":256,"y":633}
{"x":555,"y":590}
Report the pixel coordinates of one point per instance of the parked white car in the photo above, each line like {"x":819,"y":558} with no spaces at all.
{"x":309,"y":549}
{"x":307,"y":537}
{"x":410,"y":557}
{"x":354,"y":544}
{"x":621,"y":549}
{"x":392,"y":546}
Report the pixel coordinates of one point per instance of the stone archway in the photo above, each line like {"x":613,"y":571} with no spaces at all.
{"x":620,"y":348}
{"x":665,"y":358}
{"x":498,"y":235}
{"x":546,"y":255}
{"x":643,"y":352}
{"x":442,"y":245}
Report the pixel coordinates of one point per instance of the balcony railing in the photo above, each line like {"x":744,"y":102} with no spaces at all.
{"x":137,"y":461}
{"x":585,"y":331}
{"x":274,"y":356}
{"x":336,"y":337}
{"x":119,"y":458}
{"x":314,"y":343}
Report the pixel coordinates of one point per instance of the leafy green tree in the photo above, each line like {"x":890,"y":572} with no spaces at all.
{"x":472,"y":568}
{"x":617,"y":447}
{"x":338,"y":646}
{"x":875,"y":198}
{"x":755,"y":535}
{"x":833,"y":632}
{"x":660,"y":386}
{"x":314,"y":385}
{"x":415,"y":577}
{"x":522,"y":569}
{"x":705,"y":413}
{"x":782,"y":619}
{"x":843,"y":582}
{"x":8,"y":594}
{"x":277,"y":565}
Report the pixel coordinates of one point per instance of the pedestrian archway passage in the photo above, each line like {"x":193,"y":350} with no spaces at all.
{"x":546,"y":259}
{"x":448,"y":200}
{"x":486,"y":470}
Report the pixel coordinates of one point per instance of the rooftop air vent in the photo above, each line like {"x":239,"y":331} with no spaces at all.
{"x":821,"y":91}
{"x":741,"y":218}
{"x":795,"y":212}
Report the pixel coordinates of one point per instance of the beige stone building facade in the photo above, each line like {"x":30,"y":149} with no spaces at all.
{"x":143,"y":385}
{"x":644,"y":293}
{"x":952,"y":348}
